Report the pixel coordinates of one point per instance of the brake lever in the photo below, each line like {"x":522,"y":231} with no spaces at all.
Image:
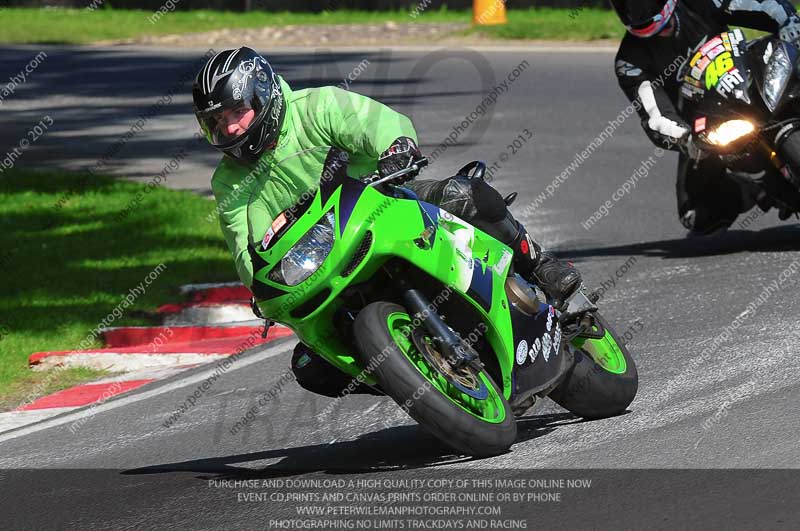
{"x":375,"y":180}
{"x":411,"y":169}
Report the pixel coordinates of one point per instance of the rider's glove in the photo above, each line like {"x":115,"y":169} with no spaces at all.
{"x":401,"y":154}
{"x":671,"y":137}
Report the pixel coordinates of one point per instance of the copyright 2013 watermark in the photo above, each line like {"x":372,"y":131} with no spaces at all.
{"x":35,"y":133}
{"x":20,"y":78}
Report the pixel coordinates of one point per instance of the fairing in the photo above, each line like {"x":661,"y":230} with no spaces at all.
{"x":422,"y":236}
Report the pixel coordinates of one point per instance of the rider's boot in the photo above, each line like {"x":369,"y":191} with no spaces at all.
{"x":557,"y":279}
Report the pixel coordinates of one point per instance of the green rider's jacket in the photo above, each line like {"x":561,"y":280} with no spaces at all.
{"x":315,"y":118}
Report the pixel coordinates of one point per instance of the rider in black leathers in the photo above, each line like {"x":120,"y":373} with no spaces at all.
{"x":661,"y":34}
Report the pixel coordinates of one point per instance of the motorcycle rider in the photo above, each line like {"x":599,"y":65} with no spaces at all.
{"x":255,"y":118}
{"x":660,"y":33}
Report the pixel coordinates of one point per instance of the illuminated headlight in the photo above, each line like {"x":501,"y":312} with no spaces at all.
{"x":779,"y":70}
{"x":730,"y":131}
{"x":308,"y":254}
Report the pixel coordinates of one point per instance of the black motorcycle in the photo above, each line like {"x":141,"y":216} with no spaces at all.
{"x":741,"y":99}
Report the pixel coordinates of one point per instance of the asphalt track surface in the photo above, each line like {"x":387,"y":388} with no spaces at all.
{"x":732,"y":406}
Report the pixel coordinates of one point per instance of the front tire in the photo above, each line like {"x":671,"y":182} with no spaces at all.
{"x":603,"y":380}
{"x":476,"y":426}
{"x":786,"y":191}
{"x":789,"y":151}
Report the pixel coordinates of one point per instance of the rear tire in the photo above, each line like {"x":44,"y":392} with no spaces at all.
{"x":593,"y":390}
{"x":437,"y":412}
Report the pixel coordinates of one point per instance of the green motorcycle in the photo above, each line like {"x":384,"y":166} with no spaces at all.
{"x":423,"y":307}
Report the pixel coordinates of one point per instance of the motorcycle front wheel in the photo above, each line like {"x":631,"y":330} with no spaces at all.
{"x":463,"y":408}
{"x":603,"y":380}
{"x":788,"y":189}
{"x":789,"y":150}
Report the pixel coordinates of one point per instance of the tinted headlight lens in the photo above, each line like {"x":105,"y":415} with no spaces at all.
{"x":779,"y":70}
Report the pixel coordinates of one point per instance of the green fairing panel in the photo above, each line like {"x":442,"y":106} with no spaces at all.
{"x":395,"y":224}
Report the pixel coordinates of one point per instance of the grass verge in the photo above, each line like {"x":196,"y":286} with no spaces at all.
{"x":556,"y":25}
{"x":66,"y":269}
{"x":80,"y":26}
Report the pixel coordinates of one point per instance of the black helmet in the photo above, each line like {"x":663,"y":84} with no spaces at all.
{"x":239,"y":103}
{"x":644,"y":18}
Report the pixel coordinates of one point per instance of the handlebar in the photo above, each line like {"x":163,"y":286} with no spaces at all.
{"x":374,"y":179}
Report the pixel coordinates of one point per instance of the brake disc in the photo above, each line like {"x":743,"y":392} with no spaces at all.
{"x":465,"y":378}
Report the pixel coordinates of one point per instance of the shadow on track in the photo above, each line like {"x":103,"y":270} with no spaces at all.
{"x":390,"y":449}
{"x":122,"y":105}
{"x":774,"y":239}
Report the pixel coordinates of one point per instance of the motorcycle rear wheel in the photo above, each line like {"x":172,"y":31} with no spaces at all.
{"x":469,"y":413}
{"x":603,"y":380}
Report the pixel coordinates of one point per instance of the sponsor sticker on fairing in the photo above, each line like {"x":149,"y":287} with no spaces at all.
{"x":700,"y":124}
{"x":557,"y":340}
{"x":736,"y":36}
{"x":713,"y":47}
{"x":277,"y":225}
{"x":502,"y":264}
{"x":531,"y":247}
{"x":522,"y":352}
{"x":547,"y":344}
{"x":729,"y":81}
{"x":721,"y":65}
{"x":267,"y":238}
{"x":535,"y":349}
{"x":690,"y":90}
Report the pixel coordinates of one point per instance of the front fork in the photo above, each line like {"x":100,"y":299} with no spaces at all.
{"x":450,"y":344}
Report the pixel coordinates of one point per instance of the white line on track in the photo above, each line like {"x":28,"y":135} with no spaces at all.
{"x":125,"y":400}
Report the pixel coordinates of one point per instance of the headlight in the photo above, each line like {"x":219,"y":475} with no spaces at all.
{"x":729,"y":131}
{"x":308,"y":254}
{"x":779,"y":70}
